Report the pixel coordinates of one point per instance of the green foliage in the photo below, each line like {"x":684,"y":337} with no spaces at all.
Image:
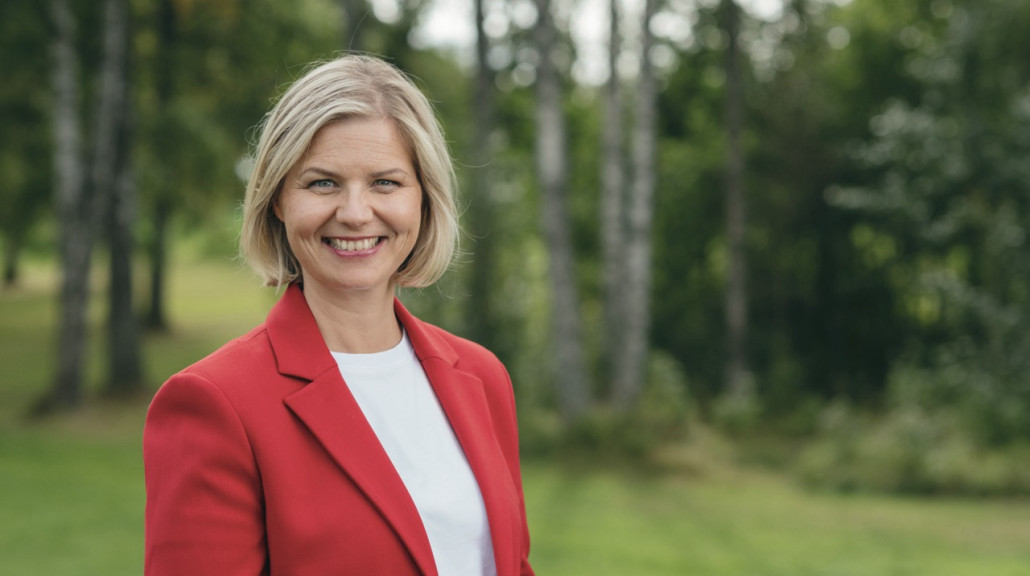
{"x":910,"y":449}
{"x":738,"y":413}
{"x":25,"y":188}
{"x":944,"y":213}
{"x":660,"y":419}
{"x":991,"y":403}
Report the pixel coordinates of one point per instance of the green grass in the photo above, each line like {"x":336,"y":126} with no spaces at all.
{"x":748,"y":523}
{"x":72,"y":501}
{"x":71,"y":487}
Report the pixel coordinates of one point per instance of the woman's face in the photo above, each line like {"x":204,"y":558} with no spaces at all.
{"x":352,"y":207}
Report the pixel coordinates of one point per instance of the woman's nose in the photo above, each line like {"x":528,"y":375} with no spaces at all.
{"x":353,"y":208}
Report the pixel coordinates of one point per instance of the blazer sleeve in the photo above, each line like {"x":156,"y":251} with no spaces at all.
{"x":204,"y":511}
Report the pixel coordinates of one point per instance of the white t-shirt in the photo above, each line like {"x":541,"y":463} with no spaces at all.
{"x":393,"y":392}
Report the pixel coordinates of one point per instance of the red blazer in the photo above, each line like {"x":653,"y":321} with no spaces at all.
{"x":259,"y":461}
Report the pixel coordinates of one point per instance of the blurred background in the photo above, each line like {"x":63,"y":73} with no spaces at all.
{"x":759,"y":269}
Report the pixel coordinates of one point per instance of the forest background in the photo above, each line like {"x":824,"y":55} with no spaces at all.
{"x":802,"y":230}
{"x":763,"y":290}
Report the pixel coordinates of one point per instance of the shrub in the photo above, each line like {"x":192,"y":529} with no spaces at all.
{"x":661,"y":415}
{"x":913,"y":450}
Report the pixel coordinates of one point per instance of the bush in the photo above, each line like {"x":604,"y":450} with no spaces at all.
{"x":665,"y":408}
{"x":738,"y":412}
{"x":960,"y":423}
{"x":910,"y":450}
{"x":992,"y":403}
{"x":661,"y":415}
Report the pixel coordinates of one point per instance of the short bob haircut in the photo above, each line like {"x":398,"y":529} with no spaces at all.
{"x":351,"y":86}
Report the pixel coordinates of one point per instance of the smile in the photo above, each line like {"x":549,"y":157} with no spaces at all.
{"x":344,"y":245}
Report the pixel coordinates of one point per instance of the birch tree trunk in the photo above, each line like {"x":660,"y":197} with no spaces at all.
{"x":552,"y":168}
{"x":482,"y":319}
{"x":737,"y":381}
{"x":11,"y":251}
{"x":124,"y":366}
{"x":81,"y":199}
{"x":630,"y":369}
{"x":125,"y":372}
{"x":613,"y":203}
{"x":74,"y":212}
{"x":110,"y":106}
{"x":157,"y":318}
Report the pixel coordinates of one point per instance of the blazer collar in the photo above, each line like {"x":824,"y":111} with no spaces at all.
{"x":326,"y":406}
{"x":300,"y":350}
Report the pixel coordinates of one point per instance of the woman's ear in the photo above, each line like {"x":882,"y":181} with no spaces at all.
{"x":276,"y":208}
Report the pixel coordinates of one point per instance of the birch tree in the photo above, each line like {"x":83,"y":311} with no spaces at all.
{"x":74,"y":210}
{"x":737,"y":381}
{"x":162,"y":194}
{"x":630,"y":367}
{"x":125,"y":374}
{"x":83,"y":195}
{"x":481,"y":210}
{"x":613,"y":195}
{"x":552,"y":173}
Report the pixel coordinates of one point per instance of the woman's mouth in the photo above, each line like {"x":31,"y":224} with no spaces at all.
{"x":344,"y":245}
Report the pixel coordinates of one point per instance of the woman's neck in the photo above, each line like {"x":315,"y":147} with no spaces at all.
{"x":356,"y":323}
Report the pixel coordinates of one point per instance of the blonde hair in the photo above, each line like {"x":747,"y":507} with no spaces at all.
{"x":352,"y":86}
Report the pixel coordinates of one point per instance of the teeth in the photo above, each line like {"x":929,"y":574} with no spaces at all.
{"x":353,"y":245}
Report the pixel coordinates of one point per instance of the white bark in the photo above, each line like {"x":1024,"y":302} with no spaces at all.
{"x":552,"y":166}
{"x":73,"y":212}
{"x":613,"y":203}
{"x":630,"y":368}
{"x":81,"y":197}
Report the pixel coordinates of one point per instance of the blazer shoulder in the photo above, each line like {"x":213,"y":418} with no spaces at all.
{"x":467,"y":351}
{"x":238,"y":361}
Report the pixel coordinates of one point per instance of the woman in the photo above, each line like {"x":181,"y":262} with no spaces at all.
{"x":343,"y":435}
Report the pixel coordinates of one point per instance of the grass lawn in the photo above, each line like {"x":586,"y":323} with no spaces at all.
{"x":71,"y":493}
{"x":748,"y":523}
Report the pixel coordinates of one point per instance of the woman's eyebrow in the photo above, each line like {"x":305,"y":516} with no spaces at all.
{"x":318,"y":171}
{"x":389,"y":172}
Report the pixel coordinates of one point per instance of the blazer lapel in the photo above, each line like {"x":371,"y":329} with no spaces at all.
{"x":461,"y":396}
{"x":329,"y":411}
{"x":463,"y":399}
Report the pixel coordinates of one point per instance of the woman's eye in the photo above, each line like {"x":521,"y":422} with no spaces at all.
{"x":323,"y":183}
{"x":381,"y":183}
